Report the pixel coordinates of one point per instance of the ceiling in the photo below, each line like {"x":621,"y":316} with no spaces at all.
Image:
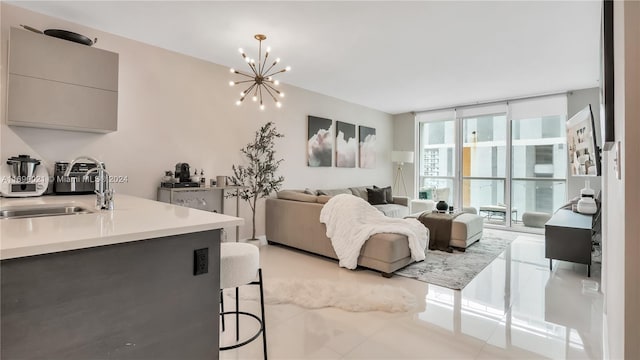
{"x":392,"y":56}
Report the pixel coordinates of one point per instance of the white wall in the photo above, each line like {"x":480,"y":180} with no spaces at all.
{"x":621,"y":248}
{"x":404,"y":140}
{"x":174,"y":108}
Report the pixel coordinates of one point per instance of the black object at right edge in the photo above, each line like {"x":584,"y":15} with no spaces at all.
{"x":607,"y":120}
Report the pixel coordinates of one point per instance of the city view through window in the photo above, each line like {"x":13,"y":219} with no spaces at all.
{"x":464,"y":162}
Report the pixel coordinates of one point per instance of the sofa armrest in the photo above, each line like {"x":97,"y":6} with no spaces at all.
{"x":401,"y":200}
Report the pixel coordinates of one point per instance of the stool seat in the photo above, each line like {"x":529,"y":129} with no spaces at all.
{"x":239,"y":264}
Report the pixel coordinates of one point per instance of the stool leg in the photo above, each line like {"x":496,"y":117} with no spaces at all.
{"x":264,"y":327}
{"x":222,"y":307}
{"x":237,"y":316}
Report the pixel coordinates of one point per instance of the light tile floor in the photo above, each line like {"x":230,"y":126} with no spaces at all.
{"x":515,"y":308}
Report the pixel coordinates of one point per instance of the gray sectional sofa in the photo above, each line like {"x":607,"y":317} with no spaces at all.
{"x":292,"y":219}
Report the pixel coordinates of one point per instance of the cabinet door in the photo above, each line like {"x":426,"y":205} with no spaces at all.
{"x":55,"y":83}
{"x":57,"y":105}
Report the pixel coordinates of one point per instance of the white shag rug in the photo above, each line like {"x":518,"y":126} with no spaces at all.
{"x":315,"y":294}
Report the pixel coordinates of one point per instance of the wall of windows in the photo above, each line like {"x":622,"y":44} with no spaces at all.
{"x":502,"y":159}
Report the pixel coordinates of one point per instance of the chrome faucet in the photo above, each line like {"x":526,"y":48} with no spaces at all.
{"x":103,"y":191}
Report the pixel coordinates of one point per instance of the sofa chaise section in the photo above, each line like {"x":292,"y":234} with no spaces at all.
{"x":296,"y":223}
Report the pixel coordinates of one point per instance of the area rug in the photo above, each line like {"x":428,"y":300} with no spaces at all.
{"x":315,"y":294}
{"x":455,"y":270}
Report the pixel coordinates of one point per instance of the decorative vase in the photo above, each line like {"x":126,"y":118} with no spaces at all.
{"x":442,"y":205}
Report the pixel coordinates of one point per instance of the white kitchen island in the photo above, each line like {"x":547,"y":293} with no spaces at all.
{"x":110,"y":284}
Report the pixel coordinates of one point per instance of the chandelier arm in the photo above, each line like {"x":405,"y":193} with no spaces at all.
{"x":248,"y":90}
{"x":256,"y":92}
{"x":253,"y":68}
{"x":272,"y":88}
{"x":243,"y":74}
{"x":271,"y":67}
{"x":264,"y":63}
{"x":259,"y":54}
{"x":260,"y":87}
{"x":272,"y":96}
{"x":277,"y":72}
{"x":243,"y":81}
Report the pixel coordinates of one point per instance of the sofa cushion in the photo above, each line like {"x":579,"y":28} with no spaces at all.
{"x":393,"y":210}
{"x":296,"y":196}
{"x":360,"y":191}
{"x":334,"y":192}
{"x":376,"y":196}
{"x":322,"y":199}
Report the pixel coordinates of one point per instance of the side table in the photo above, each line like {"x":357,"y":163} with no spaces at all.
{"x":568,"y":237}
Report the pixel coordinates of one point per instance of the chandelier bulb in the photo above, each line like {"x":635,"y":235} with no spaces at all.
{"x":231,"y":83}
{"x":276,"y":83}
{"x":240,"y":51}
{"x":268,"y":49}
{"x":242,"y":94}
{"x":281,"y":94}
{"x":261,"y":107}
{"x":288,"y":68}
{"x":277,"y":60}
{"x":254,"y":98}
{"x":278,"y":104}
{"x":232,"y":70}
{"x":238,"y":102}
{"x":253,"y":61}
{"x":246,"y":59}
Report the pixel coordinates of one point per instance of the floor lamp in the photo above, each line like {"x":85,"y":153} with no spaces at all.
{"x":401,"y":157}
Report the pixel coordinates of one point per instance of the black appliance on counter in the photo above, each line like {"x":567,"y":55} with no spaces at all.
{"x":76,"y":183}
{"x":182,"y":172}
{"x":183,"y":175}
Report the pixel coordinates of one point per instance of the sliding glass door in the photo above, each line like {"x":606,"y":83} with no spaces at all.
{"x":437,"y":161}
{"x":539,"y":164}
{"x":500,"y":161}
{"x":484,"y":165}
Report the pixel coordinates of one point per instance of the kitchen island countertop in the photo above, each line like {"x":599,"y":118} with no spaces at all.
{"x":132,"y":219}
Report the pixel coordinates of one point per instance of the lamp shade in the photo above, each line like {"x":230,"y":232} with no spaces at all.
{"x":402,"y":157}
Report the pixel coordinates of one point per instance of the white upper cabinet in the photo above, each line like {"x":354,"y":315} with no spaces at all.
{"x":59,"y":84}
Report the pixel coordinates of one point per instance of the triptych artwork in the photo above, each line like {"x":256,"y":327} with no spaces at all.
{"x":354,"y":146}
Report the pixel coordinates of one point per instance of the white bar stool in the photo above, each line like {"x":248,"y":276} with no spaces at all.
{"x":239,"y":265}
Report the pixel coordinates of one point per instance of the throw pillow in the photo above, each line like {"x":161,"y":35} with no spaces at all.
{"x":309,"y":191}
{"x":388,"y":194}
{"x":376,"y":196}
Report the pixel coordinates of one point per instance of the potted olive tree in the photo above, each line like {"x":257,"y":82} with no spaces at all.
{"x":258,"y":175}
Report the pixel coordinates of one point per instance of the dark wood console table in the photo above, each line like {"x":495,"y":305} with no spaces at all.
{"x":568,"y":237}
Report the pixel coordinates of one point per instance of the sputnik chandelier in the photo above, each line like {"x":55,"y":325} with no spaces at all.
{"x":262,"y":78}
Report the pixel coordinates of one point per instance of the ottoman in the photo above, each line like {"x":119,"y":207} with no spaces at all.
{"x":466,"y":229}
{"x":535,"y":219}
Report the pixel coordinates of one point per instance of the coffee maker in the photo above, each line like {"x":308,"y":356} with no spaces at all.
{"x":184,"y":178}
{"x":182,"y":172}
{"x":23,"y":176}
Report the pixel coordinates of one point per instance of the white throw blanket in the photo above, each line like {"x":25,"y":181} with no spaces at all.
{"x":351,"y":221}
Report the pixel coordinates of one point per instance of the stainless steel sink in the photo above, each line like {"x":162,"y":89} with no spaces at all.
{"x":20,"y":212}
